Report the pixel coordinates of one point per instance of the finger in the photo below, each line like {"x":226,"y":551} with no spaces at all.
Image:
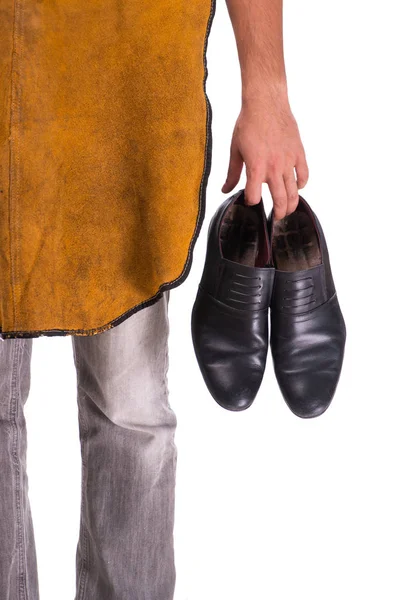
{"x":234,"y":170}
{"x":252,"y":190}
{"x":292,"y":192}
{"x":302,"y":173}
{"x":279,"y":196}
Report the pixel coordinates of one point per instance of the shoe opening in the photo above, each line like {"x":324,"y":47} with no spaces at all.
{"x":243,"y":234}
{"x":295,"y":244}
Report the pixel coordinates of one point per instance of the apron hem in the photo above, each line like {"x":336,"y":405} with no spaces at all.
{"x":189,"y":259}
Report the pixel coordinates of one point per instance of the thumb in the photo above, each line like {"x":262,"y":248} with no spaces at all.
{"x":234,"y":170}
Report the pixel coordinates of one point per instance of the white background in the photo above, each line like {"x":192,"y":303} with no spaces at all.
{"x":269,"y":506}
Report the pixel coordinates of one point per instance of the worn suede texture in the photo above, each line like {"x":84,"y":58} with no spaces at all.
{"x":105,"y":149}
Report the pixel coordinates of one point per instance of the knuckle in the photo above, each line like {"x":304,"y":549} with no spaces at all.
{"x":302,"y":181}
{"x":278,"y":157}
{"x":254,"y":171}
{"x":279,"y":201}
{"x":275,"y":167}
{"x":303,"y":168}
{"x":293,"y":197}
{"x":304,"y":173}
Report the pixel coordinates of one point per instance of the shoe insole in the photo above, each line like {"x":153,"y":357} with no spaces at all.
{"x":242,"y":235}
{"x":295,"y":244}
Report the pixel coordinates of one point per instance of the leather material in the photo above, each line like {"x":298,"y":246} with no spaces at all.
{"x":300,"y":291}
{"x":105,"y":152}
{"x":229,"y":321}
{"x":308,"y":331}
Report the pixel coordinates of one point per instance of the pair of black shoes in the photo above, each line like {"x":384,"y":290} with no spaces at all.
{"x":255,"y":266}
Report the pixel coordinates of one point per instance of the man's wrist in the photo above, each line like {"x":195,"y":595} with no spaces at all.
{"x":272,"y":93}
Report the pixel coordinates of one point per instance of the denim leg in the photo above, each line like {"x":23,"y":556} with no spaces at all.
{"x":18,"y":567}
{"x":127,"y":426}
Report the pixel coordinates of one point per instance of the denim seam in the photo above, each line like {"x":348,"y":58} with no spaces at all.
{"x":166,"y":350}
{"x":166,"y":369}
{"x":20,"y":538}
{"x":173,"y":462}
{"x":83,"y":570}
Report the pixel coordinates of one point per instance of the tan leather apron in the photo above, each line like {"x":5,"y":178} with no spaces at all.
{"x":105,"y":152}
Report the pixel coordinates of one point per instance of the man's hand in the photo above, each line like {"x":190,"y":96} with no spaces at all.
{"x":267,"y":140}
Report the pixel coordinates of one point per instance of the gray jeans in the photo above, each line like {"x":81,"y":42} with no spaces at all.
{"x":125,"y":548}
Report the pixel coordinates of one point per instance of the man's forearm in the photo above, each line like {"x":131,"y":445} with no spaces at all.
{"x":266,"y":137}
{"x":258,"y":31}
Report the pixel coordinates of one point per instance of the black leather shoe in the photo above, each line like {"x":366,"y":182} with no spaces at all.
{"x":230,"y":314}
{"x":307,"y":328}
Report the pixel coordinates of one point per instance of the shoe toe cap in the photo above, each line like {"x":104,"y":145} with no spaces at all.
{"x":309,"y":395}
{"x":231,"y":350}
{"x":233,"y":392}
{"x":308,"y":352}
